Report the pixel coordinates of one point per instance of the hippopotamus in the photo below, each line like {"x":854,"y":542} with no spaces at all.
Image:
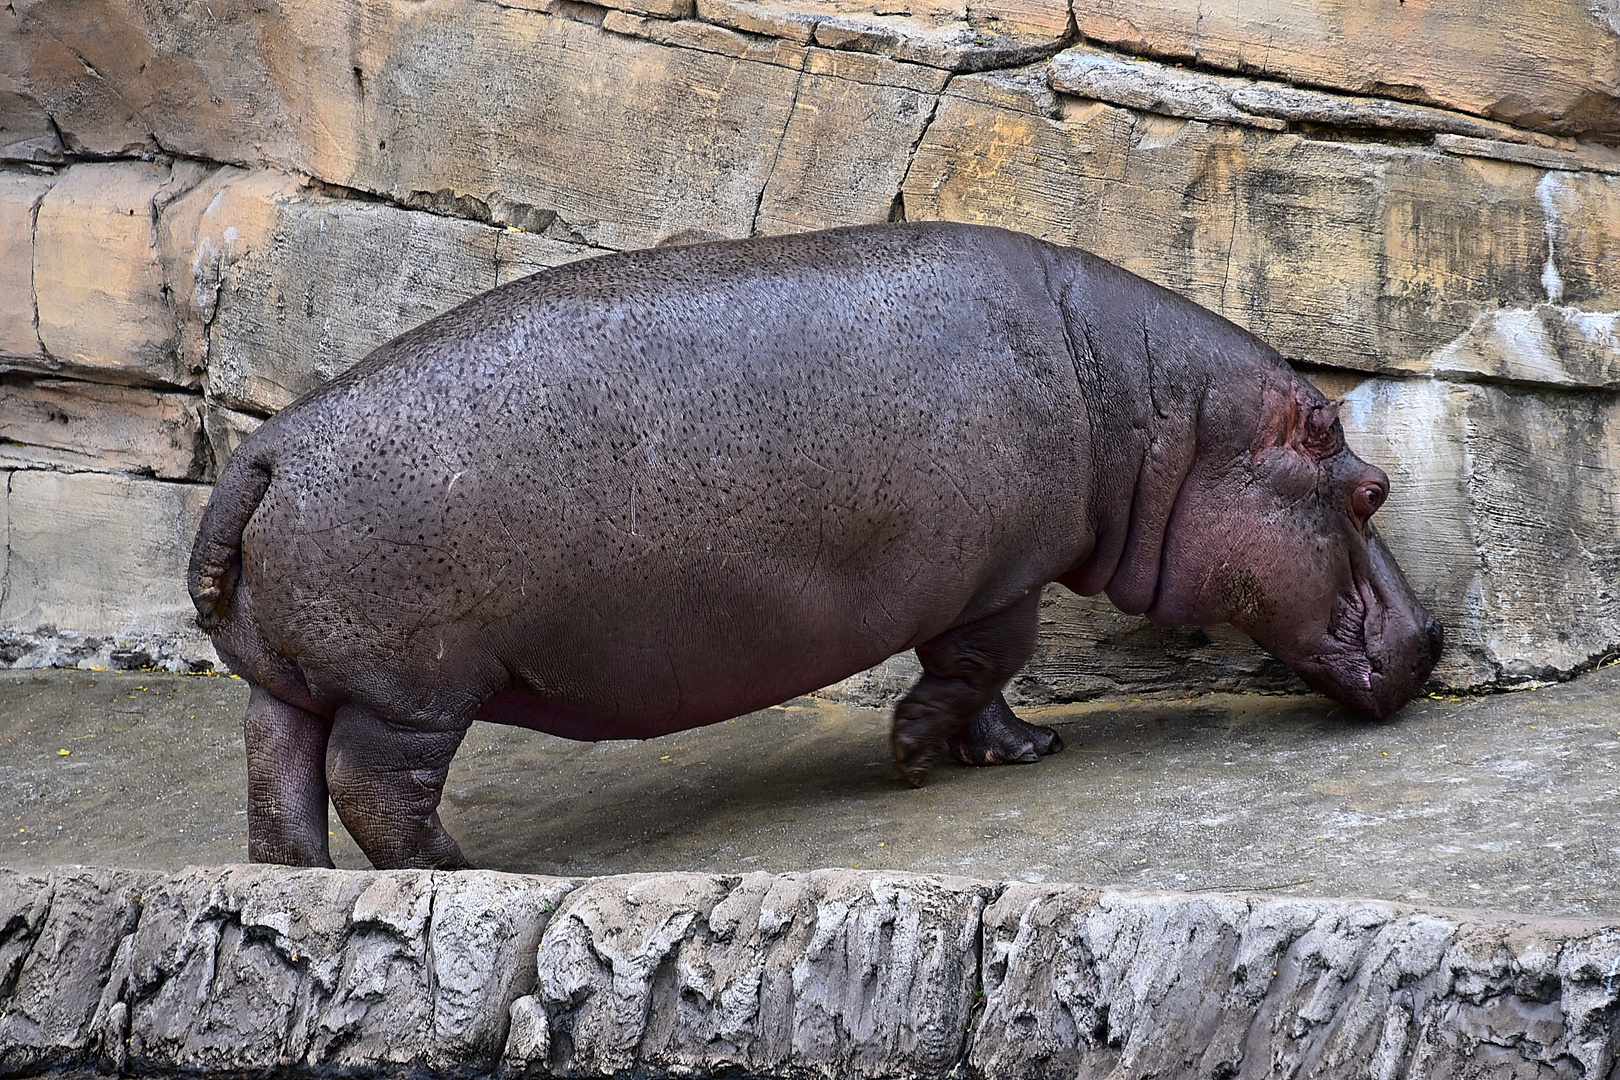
{"x":653,"y":490}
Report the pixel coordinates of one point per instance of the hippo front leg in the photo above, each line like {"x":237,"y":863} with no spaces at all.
{"x":286,"y":758}
{"x":996,"y":736}
{"x":964,"y":670}
{"x":387,"y":778}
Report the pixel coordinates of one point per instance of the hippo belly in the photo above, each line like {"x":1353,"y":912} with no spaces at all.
{"x":660,"y":640}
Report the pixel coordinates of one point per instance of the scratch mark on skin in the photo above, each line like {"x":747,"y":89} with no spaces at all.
{"x":334,"y":527}
{"x":365,"y":557}
{"x":977,"y":510}
{"x":801,"y":453}
{"x":887,"y":614}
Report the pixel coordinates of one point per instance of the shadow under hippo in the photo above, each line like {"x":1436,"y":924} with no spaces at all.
{"x":655,"y":490}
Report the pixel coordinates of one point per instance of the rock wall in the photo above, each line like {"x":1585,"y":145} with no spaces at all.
{"x":205,"y":209}
{"x":264,"y":970}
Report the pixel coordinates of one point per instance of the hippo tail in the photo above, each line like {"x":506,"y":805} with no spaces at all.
{"x":216,"y":557}
{"x":223,"y":600}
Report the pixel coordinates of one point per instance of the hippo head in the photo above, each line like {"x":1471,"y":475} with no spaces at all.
{"x":1278,"y":541}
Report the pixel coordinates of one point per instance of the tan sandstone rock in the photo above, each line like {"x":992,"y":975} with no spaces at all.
{"x":1357,"y":255}
{"x":294,"y":287}
{"x":117,"y":79}
{"x":953,"y":37}
{"x":1551,"y":66}
{"x":1505,"y":514}
{"x":101,"y":555}
{"x":672,"y":138}
{"x":26,"y":131}
{"x":1567,"y":336}
{"x":1199,"y":95}
{"x":821,"y":177}
{"x":79,"y":69}
{"x":366,"y":93}
{"x":707,"y":37}
{"x":98,"y":276}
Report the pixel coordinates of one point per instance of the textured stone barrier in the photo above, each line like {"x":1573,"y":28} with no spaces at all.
{"x":257,"y":970}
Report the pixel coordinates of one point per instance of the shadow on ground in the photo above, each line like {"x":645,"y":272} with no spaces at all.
{"x":1508,"y":802}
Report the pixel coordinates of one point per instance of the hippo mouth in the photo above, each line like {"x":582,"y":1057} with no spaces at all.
{"x":1374,"y":656}
{"x":1347,"y":632}
{"x":1364,"y":661}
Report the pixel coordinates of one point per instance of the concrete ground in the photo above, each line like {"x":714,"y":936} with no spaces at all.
{"x":1509,"y":801}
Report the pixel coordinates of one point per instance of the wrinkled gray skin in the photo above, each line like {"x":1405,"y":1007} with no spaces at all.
{"x":651,"y":491}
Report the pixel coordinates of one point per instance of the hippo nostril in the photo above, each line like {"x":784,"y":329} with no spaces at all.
{"x":1437,"y":639}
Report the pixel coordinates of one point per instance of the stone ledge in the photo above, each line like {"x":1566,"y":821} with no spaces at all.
{"x":1172,"y":90}
{"x":252,"y":969}
{"x":75,"y":426}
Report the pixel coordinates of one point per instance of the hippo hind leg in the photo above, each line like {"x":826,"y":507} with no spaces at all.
{"x":387,"y":777}
{"x":286,"y":757}
{"x":996,"y":736}
{"x":964,"y":670}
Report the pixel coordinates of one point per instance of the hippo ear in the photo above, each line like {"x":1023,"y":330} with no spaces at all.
{"x":1323,"y":435}
{"x":1307,"y":427}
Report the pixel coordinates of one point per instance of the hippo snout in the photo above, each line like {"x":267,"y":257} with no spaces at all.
{"x":1425,"y":654}
{"x":1414,"y":655}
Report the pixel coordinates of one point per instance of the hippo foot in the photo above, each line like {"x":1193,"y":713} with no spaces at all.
{"x":914,"y":759}
{"x":286,"y":752}
{"x":964,"y":668}
{"x":386,"y":779}
{"x":995,"y":736}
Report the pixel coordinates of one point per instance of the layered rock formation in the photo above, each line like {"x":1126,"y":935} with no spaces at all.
{"x":259,"y":970}
{"x":208,"y":208}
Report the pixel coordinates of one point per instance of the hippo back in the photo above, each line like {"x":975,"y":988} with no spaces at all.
{"x":672,"y":486}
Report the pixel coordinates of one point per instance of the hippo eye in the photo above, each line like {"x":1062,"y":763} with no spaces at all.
{"x":1367,"y":499}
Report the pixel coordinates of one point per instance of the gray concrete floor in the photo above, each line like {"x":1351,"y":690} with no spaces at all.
{"x":1509,"y":801}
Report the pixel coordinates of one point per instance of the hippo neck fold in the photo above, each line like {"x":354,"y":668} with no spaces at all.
{"x":1144,"y":370}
